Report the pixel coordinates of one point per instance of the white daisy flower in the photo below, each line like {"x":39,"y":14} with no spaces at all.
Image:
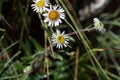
{"x":54,"y":15}
{"x":98,"y":25}
{"x":60,"y":39}
{"x":39,"y":5}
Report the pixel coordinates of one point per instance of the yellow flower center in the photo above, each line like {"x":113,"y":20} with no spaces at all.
{"x":53,"y":15}
{"x":100,"y":24}
{"x":40,"y":3}
{"x":60,"y":39}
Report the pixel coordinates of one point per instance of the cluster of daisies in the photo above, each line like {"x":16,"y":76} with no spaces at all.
{"x":53,"y":16}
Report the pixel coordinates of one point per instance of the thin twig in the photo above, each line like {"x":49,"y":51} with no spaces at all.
{"x":47,"y":69}
{"x":6,"y":22}
{"x":51,"y":47}
{"x":76,"y":64}
{"x":82,"y":30}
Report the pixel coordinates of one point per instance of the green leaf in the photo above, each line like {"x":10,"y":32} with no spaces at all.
{"x":26,"y":47}
{"x":35,"y":43}
{"x":24,"y":77}
{"x":57,"y":56}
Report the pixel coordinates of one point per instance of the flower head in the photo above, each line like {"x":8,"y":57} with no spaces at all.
{"x":54,"y":15}
{"x":98,"y":25}
{"x":60,"y":39}
{"x":39,"y":5}
{"x":27,"y":70}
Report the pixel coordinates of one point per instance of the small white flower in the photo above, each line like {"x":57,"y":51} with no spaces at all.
{"x":54,"y":15}
{"x":60,"y":39}
{"x":39,"y":5}
{"x":98,"y":25}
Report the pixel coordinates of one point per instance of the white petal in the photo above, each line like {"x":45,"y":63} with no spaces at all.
{"x":49,"y":24}
{"x":58,"y":32}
